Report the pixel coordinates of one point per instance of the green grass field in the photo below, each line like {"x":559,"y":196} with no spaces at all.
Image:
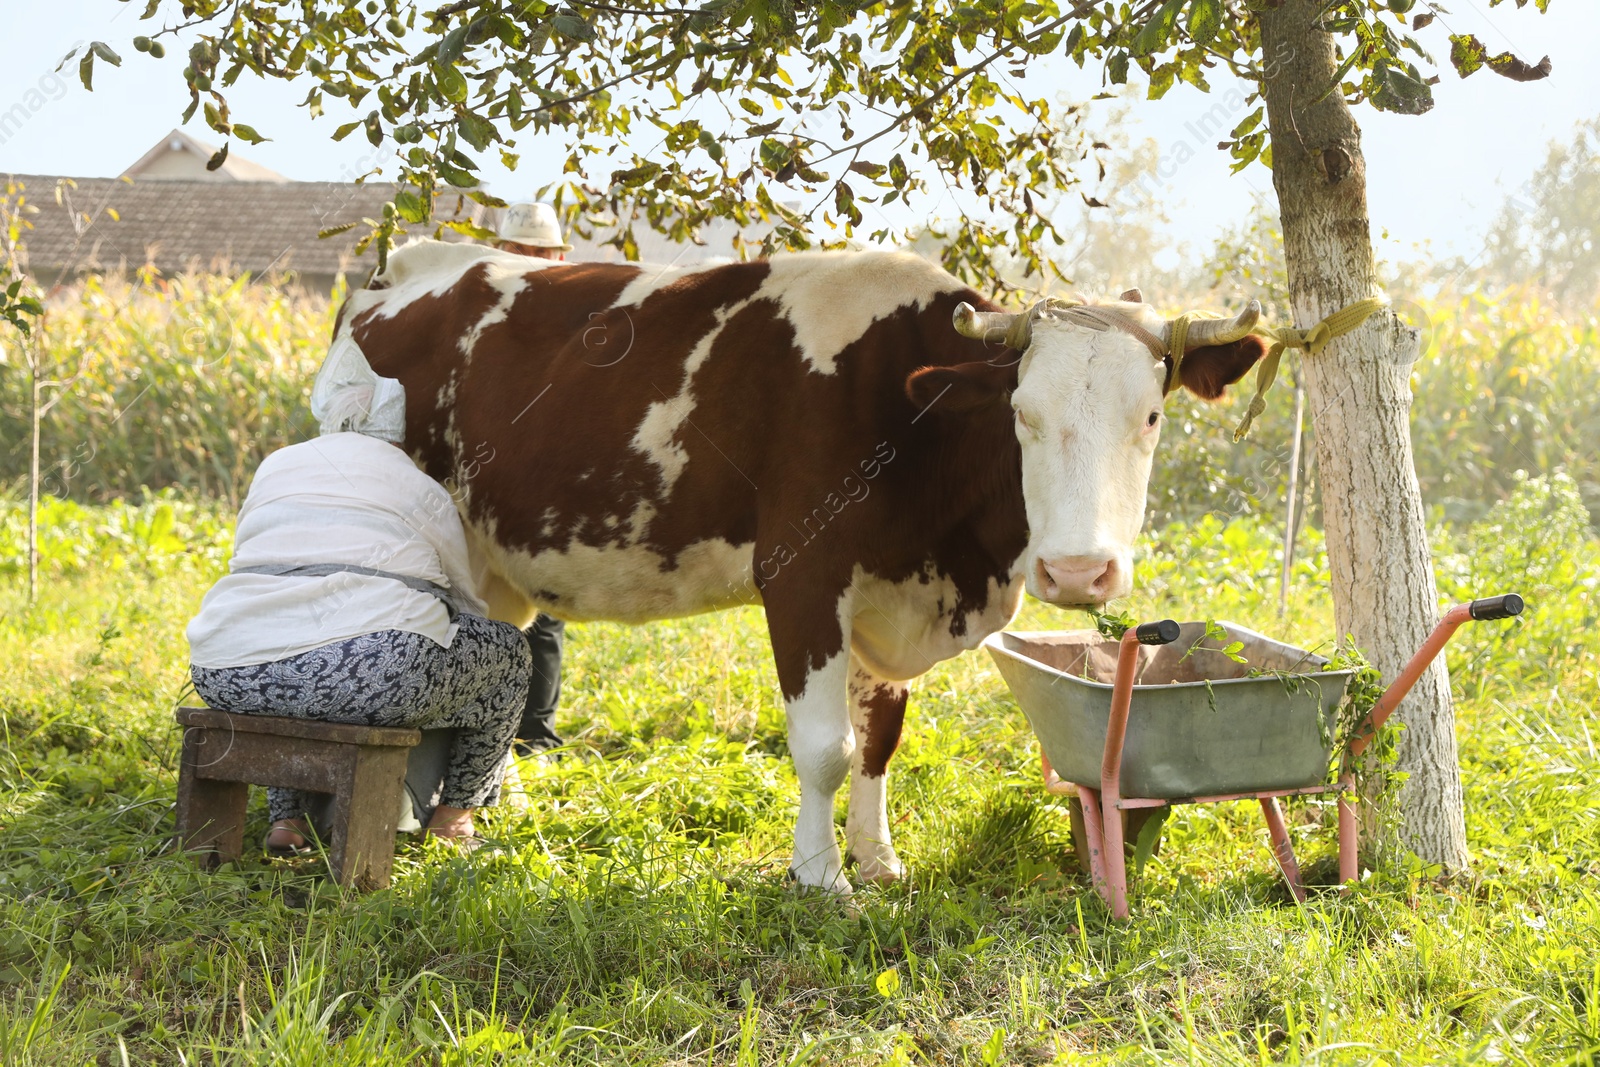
{"x":636,"y":912}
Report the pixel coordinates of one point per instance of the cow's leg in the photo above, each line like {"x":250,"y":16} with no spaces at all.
{"x":877,"y":711}
{"x":821,"y":742}
{"x":811,"y":650}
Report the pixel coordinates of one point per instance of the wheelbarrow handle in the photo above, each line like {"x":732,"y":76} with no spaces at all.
{"x":1505,"y":606}
{"x":1156,"y":633}
{"x":1496,"y":607}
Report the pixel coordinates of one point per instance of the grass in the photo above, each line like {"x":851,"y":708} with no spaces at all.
{"x":637,"y":912}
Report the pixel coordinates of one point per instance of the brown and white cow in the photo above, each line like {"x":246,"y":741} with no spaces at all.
{"x":808,"y":433}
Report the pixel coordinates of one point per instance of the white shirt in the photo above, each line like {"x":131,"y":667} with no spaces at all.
{"x":340,"y":498}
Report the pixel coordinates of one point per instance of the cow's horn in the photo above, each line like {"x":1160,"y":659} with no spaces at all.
{"x":985,"y":325}
{"x":1204,"y":332}
{"x":1132,"y":296}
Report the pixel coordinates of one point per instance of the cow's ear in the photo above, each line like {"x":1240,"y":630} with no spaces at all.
{"x":961,"y":388}
{"x":1207,"y":372}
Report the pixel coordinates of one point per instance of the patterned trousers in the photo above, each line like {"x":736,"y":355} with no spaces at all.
{"x":395,"y":678}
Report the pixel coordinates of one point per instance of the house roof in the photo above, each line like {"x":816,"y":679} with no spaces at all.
{"x":180,"y":156}
{"x":259,"y":227}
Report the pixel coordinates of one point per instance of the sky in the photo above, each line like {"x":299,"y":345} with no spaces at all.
{"x":1436,"y":181}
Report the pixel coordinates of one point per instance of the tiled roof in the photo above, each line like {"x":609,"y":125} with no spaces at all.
{"x":257,"y":227}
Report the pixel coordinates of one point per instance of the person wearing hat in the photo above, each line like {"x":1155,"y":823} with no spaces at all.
{"x":534,"y":230}
{"x":350,"y":599}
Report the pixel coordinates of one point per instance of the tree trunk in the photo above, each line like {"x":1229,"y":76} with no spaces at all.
{"x":1359,"y":392}
{"x":1291,"y":507}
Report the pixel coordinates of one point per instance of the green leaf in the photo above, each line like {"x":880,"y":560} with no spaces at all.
{"x":248,"y":133}
{"x":475,"y":129}
{"x":1205,"y":21}
{"x":218,"y":159}
{"x":103,"y":50}
{"x":344,"y":131}
{"x":897,"y":172}
{"x":1154,"y":35}
{"x":573,"y":26}
{"x":454,"y":41}
{"x":1117,"y":68}
{"x":410,"y":206}
{"x":634,"y":177}
{"x":455,"y":176}
{"x":1162,"y":79}
{"x":871,"y":170}
{"x":214,"y":119}
{"x":452,"y":83}
{"x":86,"y":70}
{"x":334,"y":231}
{"x":1400,"y":91}
{"x":1467,"y":53}
{"x":1149,"y":837}
{"x":887,"y":983}
{"x":471,"y":229}
{"x":1044,"y":44}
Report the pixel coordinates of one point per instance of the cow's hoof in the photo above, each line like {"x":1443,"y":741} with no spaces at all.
{"x":881,"y":873}
{"x":880,"y":867}
{"x":836,"y":887}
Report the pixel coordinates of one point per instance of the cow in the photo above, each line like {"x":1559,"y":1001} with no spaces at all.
{"x":875,"y":453}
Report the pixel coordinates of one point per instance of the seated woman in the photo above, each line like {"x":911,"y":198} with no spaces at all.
{"x":349,"y":600}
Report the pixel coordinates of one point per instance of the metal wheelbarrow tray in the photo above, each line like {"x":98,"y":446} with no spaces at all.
{"x":1203,"y":728}
{"x":1205,"y":731}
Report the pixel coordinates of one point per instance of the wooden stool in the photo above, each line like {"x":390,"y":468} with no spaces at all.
{"x":364,"y":767}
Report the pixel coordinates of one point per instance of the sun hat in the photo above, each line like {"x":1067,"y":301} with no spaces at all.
{"x":534,"y":225}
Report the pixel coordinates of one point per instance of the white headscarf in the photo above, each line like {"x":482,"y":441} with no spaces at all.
{"x":349,"y":396}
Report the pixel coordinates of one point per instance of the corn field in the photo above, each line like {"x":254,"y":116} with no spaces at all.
{"x":188,"y":382}
{"x":184,"y":382}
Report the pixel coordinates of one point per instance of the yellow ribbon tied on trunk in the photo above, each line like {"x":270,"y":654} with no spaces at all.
{"x":1313,"y":341}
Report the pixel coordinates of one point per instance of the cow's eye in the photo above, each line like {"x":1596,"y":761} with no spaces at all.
{"x":1155,"y":417}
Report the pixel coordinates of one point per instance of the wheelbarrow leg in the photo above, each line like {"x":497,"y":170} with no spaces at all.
{"x":1092,"y":826}
{"x":1283,"y":847}
{"x":1504,"y":606}
{"x":1116,"y":863}
{"x":1349,"y":835}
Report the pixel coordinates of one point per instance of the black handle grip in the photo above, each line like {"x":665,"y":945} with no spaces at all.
{"x":1158,"y":633}
{"x":1496,"y":607}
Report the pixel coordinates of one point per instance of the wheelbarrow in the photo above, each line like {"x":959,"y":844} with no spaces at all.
{"x":1209,"y":728}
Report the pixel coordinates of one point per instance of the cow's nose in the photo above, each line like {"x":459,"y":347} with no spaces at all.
{"x":1079,"y":579}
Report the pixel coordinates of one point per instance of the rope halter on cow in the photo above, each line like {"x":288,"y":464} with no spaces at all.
{"x":1313,"y":341}
{"x":1183,"y":334}
{"x":1180,"y":336}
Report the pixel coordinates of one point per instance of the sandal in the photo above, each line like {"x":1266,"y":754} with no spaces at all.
{"x":291,"y":844}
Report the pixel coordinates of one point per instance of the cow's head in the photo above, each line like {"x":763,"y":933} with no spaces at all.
{"x":1086,"y":388}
